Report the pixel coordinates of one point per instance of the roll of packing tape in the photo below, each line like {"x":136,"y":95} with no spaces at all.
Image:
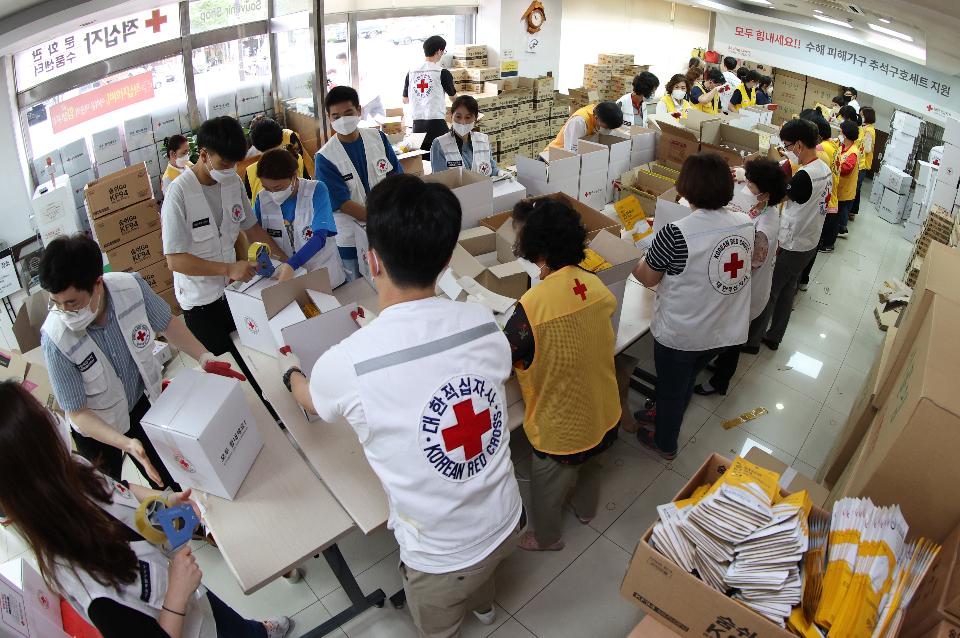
{"x":142,"y":516}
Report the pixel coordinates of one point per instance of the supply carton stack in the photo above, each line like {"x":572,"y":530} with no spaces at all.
{"x":612,"y":76}
{"x":790,"y":91}
{"x":818,"y":92}
{"x":937,"y":227}
{"x":470,"y":68}
{"x":895,"y":185}
{"x":945,"y":186}
{"x":521,"y":116}
{"x":901,"y":146}
{"x":583,"y":96}
{"x":125,"y":219}
{"x":466,"y":56}
{"x":925,"y":178}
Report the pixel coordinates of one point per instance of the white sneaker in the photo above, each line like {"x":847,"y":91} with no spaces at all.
{"x":277,"y":627}
{"x":486,"y":617}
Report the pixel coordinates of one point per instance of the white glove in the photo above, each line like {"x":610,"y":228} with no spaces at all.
{"x":205,"y":358}
{"x":287,"y":360}
{"x":739,"y":175}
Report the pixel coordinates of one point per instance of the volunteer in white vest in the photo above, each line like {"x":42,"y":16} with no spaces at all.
{"x":763,"y":186}
{"x":801,"y":223}
{"x":423,"y":387}
{"x":350,"y":165}
{"x":633,"y":104}
{"x":463,"y":147}
{"x":701,"y":267}
{"x":80,"y":526}
{"x":296,"y":212}
{"x":97,"y":342}
{"x":425,"y":88}
{"x":202,"y":215}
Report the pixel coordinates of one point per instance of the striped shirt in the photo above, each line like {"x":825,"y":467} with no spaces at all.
{"x":65,"y":376}
{"x":668,"y":254}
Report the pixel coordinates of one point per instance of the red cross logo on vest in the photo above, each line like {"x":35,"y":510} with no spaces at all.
{"x":580,"y":289}
{"x":734,"y":265}
{"x":423,"y":85}
{"x":307,"y":233}
{"x":382,"y":167}
{"x":468,"y":431}
{"x":155,"y":21}
{"x":140,"y":336}
{"x":43,"y":600}
{"x":929,"y":107}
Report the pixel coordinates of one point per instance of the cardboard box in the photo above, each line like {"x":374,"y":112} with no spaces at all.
{"x":937,"y":599}
{"x":250,"y":99}
{"x":170,"y":296}
{"x":37,"y":383}
{"x":147,"y":155}
{"x":506,"y":194}
{"x":475,"y":192}
{"x":204,"y":432}
{"x":909,"y":124}
{"x":138,"y":132}
{"x":158,"y":276}
{"x":55,"y":210}
{"x":12,"y":366}
{"x":669,"y":210}
{"x":618,"y":150}
{"x":894,"y":179}
{"x":166,"y":122}
{"x":594,"y":176}
{"x":646,"y":186}
{"x":679,"y":599}
{"x":30,"y":318}
{"x":623,"y":257}
{"x":791,"y":481}
{"x":136,"y":254}
{"x":75,"y":158}
{"x":818,"y":92}
{"x":28,"y":608}
{"x":116,"y":191}
{"x":943,"y":195}
{"x":732,"y":143}
{"x":650,"y":628}
{"x":943,"y":629}
{"x":908,"y":457}
{"x":680,"y":138}
{"x":926,"y":173}
{"x":78,"y":182}
{"x":107,"y":145}
{"x":560,"y":173}
{"x":127,"y":224}
{"x":892,"y":207}
{"x":111,"y":167}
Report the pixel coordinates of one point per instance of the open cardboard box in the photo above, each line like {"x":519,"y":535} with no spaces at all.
{"x":594,"y":173}
{"x":506,"y":277}
{"x":732,"y":143}
{"x":680,"y":139}
{"x":475,"y":192}
{"x":669,"y":209}
{"x":937,"y":599}
{"x":560,"y":173}
{"x":30,"y":318}
{"x":646,"y":186}
{"x":643,"y":143}
{"x":619,"y":157}
{"x":679,"y":599}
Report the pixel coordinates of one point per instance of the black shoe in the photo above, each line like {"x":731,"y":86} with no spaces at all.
{"x":750,"y":349}
{"x":698,"y":389}
{"x":826,"y":249}
{"x":646,"y":439}
{"x":646,"y":416}
{"x":773,"y":345}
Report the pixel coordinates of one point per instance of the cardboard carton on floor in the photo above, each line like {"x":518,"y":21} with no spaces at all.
{"x":937,"y":599}
{"x":680,"y":138}
{"x":127,"y":224}
{"x":646,"y":186}
{"x":475,"y":192}
{"x":892,"y":206}
{"x":732,"y":143}
{"x":559,"y":174}
{"x":119,"y":190}
{"x":204,"y":432}
{"x":136,"y":254}
{"x":158,"y":276}
{"x":679,"y":599}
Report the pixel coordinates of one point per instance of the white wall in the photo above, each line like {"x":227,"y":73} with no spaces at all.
{"x":500,"y":27}
{"x":15,"y":208}
{"x":641,"y":27}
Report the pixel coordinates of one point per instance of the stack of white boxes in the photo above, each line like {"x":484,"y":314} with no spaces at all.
{"x":895,"y":185}
{"x":948,"y":177}
{"x":904,"y":131}
{"x":71,"y":161}
{"x":141,"y":146}
{"x":926,"y":173}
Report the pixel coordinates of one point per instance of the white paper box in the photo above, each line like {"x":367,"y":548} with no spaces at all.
{"x":55,"y":211}
{"x":40,"y":164}
{"x":138,"y":131}
{"x":28,"y":608}
{"x":950,"y":165}
{"x":222,"y":104}
{"x":107,"y":146}
{"x":250,"y":316}
{"x":506,"y":193}
{"x":166,"y":122}
{"x":250,"y":99}
{"x":911,"y":230}
{"x":147,"y":155}
{"x":204,"y":432}
{"x":114,"y":165}
{"x":892,"y":206}
{"x":894,"y":179}
{"x":75,"y":158}
{"x":290,"y":315}
{"x":951,"y":131}
{"x":943,"y":195}
{"x":876,"y":192}
{"x":560,"y":174}
{"x":77,"y":183}
{"x":927,"y":173}
{"x":474,"y":191}
{"x":909,"y":124}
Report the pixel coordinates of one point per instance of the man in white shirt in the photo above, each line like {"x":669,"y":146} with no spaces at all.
{"x":733,"y":81}
{"x":423,"y":387}
{"x":851,"y":94}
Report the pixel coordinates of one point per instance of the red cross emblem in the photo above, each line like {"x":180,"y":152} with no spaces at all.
{"x":141,"y":335}
{"x":580,"y":289}
{"x":423,"y":85}
{"x":237,"y":213}
{"x":155,"y":21}
{"x":929,"y":107}
{"x":184,"y":463}
{"x":251,"y":325}
{"x":734,"y":265}
{"x":468,"y":431}
{"x":308,"y":233}
{"x":43,"y":600}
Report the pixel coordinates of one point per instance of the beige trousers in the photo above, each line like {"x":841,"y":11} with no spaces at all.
{"x":550,"y":483}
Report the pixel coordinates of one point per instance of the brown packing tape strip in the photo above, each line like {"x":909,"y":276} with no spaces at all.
{"x":743,"y":418}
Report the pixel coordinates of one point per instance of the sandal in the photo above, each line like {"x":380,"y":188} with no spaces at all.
{"x":528,"y":542}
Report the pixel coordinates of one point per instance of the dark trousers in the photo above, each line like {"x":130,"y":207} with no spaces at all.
{"x":230,"y":624}
{"x":844,"y":210}
{"x":212,"y":325}
{"x":831,"y":226}
{"x":110,"y":460}
{"x":433,"y":130}
{"x":856,"y":200}
{"x":786,"y":277}
{"x":676,"y":375}
{"x":725,"y":365}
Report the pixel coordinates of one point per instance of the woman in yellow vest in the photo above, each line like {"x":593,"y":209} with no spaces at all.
{"x":266,"y":135}
{"x":674,"y":102}
{"x":745,"y":94}
{"x":848,"y":165}
{"x":562,"y":342}
{"x":705,"y":96}
{"x":868,"y":141}
{"x":593,"y":118}
{"x":178,"y":158}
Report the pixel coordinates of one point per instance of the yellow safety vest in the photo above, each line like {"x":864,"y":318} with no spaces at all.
{"x":570,"y":389}
{"x":747,"y":97}
{"x":587,"y":114}
{"x":847,"y":189}
{"x":672,"y":106}
{"x":713,"y":107}
{"x":866,"y":159}
{"x":828,"y":153}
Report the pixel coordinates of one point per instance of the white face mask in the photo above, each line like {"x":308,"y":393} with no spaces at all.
{"x":529,"y":267}
{"x":281,"y":196}
{"x":78,"y":320}
{"x":793,"y":157}
{"x":221,"y":175}
{"x":769,"y":90}
{"x":677,"y":94}
{"x":181,"y":162}
{"x":462,"y":129}
{"x":346,"y":125}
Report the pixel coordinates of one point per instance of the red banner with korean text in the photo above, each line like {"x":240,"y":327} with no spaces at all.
{"x":101,"y":101}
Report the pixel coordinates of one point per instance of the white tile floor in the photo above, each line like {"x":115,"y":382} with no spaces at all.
{"x":808,"y":386}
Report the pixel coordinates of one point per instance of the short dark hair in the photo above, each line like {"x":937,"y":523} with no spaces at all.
{"x":800,"y":131}
{"x":705,"y":181}
{"x":468,"y":102}
{"x":73,"y":260}
{"x":840,"y":100}
{"x":715,"y":76}
{"x":769,"y":178}
{"x":852,"y":90}
{"x":694,"y":63}
{"x":849,"y":113}
{"x":223,"y":135}
{"x":339,"y":94}
{"x":278,"y":163}
{"x":693,"y":74}
{"x":850,"y":129}
{"x":645,"y":83}
{"x":752,"y":76}
{"x":742,"y":73}
{"x":765,"y":80}
{"x":550,"y":230}
{"x":868,"y":115}
{"x":265,"y":134}
{"x":413,"y":226}
{"x":173,"y":143}
{"x":433,"y":45}
{"x":674,"y":81}
{"x":815,"y":116}
{"x":610,"y":114}
{"x":730,"y":63}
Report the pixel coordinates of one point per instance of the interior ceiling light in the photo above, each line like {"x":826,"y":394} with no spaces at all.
{"x":884,"y":20}
{"x":839,"y":23}
{"x":891,"y":32}
{"x":713,"y":5}
{"x":763,"y":2}
{"x":817,"y":11}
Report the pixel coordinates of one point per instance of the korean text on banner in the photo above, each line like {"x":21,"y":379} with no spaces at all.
{"x":105,"y":99}
{"x":872,"y":71}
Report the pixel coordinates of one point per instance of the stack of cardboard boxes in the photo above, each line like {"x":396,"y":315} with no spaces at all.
{"x":945,"y":192}
{"x":925,"y":178}
{"x":521,"y":116}
{"x":905,"y":129}
{"x":791,"y":88}
{"x":125,"y":219}
{"x":612,"y":75}
{"x":937,"y":228}
{"x":470,"y":68}
{"x":818,"y":92}
{"x":892,"y":190}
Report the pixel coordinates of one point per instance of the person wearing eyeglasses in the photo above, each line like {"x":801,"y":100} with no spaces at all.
{"x":97,"y":342}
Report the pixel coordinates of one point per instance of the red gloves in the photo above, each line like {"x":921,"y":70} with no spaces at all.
{"x":223,"y":369}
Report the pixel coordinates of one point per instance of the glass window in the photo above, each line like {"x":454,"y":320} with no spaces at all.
{"x":233,"y":78}
{"x":336,"y":51}
{"x":213,"y":14}
{"x":388,"y":49}
{"x":296,"y":71}
{"x":286,"y":7}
